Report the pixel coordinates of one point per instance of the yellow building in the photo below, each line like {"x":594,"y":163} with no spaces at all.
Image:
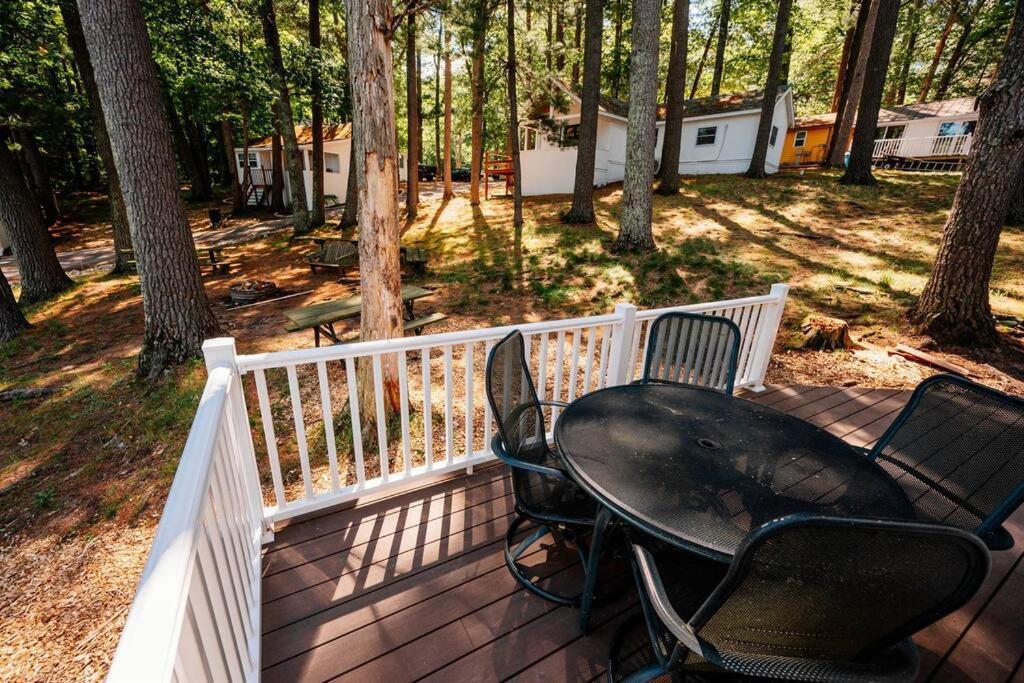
{"x":807,"y":142}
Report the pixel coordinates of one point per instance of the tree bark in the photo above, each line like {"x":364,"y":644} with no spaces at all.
{"x":675,"y":99}
{"x":957,"y":54}
{"x":237,"y":196}
{"x":849,"y":105}
{"x":582,"y":209}
{"x":1015,"y":214}
{"x":21,"y":218}
{"x":369,"y":26}
{"x":316,"y":96}
{"x":617,"y":49}
{"x":412,"y":112}
{"x":277,"y":165}
{"x":577,"y":38}
{"x":40,"y":176}
{"x":350,"y":216}
{"x":293,"y":155}
{"x":118,"y":216}
{"x":940,"y":47}
{"x":477,"y":78}
{"x":723,"y":36}
{"x":513,"y":127}
{"x":899,"y":89}
{"x":771,"y":90}
{"x":954,"y":306}
{"x":439,"y":163}
{"x":177,"y":314}
{"x":197,"y":145}
{"x":448,"y":191}
{"x":198,"y":191}
{"x":12,"y":320}
{"x":844,"y":57}
{"x":703,"y":58}
{"x":635,"y":233}
{"x":858,"y":171}
{"x":560,"y":40}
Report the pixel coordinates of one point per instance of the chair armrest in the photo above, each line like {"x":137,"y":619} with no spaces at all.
{"x":556,"y":404}
{"x":647,"y":571}
{"x":499,"y":451}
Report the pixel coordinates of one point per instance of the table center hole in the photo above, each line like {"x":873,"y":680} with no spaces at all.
{"x":709,"y":444}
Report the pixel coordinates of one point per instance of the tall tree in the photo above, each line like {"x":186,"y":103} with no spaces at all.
{"x":616,"y":79}
{"x":12,"y":320}
{"x":771,"y":90}
{"x":968,"y":15}
{"x":370,"y":28}
{"x":864,"y":34}
{"x":21,"y":218}
{"x":635,"y":232}
{"x":227,"y":137}
{"x":40,"y":176}
{"x":723,"y":36}
{"x":350,"y":216}
{"x":276,"y":165}
{"x":436,"y":114}
{"x":513,"y":122}
{"x":412,"y":112}
{"x":177,"y":314}
{"x":560,"y":40}
{"x":954,"y":306}
{"x":479,"y":36}
{"x":577,"y":40}
{"x":293,"y":155}
{"x":675,"y":99}
{"x":118,"y":217}
{"x":316,"y":97}
{"x":897,"y":92}
{"x":447,"y":153}
{"x":940,"y":47}
{"x":582,"y":209}
{"x":858,"y":171}
{"x":1015,"y":214}
{"x":844,"y":56}
{"x":703,"y":58}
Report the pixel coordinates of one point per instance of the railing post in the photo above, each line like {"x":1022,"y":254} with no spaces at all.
{"x":220,"y":352}
{"x":768,"y":329}
{"x":619,"y":362}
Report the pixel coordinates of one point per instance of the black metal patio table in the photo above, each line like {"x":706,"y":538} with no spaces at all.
{"x":699,"y":469}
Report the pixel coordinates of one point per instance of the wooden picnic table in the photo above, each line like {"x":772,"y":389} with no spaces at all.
{"x":209,"y":255}
{"x":321,"y":317}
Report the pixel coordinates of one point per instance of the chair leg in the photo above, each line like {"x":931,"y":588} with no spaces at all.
{"x":513,"y":554}
{"x":645,"y":673}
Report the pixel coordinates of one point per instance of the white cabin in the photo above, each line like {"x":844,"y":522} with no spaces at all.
{"x":928,"y":129}
{"x":718,"y":137}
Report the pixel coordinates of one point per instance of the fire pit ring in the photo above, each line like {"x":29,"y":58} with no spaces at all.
{"x":251,"y":291}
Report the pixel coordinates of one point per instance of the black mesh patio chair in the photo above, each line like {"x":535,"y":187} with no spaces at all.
{"x":544,"y":494}
{"x":695,"y":349}
{"x":957,"y":449}
{"x":806,"y":598}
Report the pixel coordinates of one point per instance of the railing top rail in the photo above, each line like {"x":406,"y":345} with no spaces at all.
{"x":710,"y":305}
{"x":148,"y":642}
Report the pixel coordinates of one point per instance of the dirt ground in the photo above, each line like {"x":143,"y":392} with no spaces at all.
{"x":84,"y":472}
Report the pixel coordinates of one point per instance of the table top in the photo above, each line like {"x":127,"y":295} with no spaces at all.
{"x":700,"y":469}
{"x":340,"y":309}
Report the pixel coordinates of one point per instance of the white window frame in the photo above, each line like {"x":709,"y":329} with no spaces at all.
{"x":703,"y":132}
{"x":773,"y":136}
{"x":800,"y":138}
{"x":253,"y":163}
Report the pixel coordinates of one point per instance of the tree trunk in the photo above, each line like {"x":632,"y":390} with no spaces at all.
{"x":858,"y":171}
{"x":940,"y":47}
{"x":293,"y":155}
{"x":1015,"y":215}
{"x":41,"y":274}
{"x":675,"y":96}
{"x":184,"y":151}
{"x":548,"y":35}
{"x":703,"y":59}
{"x":40,"y":176}
{"x":277,"y":165}
{"x":350,"y":216}
{"x":513,"y":127}
{"x":582,"y":209}
{"x":237,"y":197}
{"x":844,"y":57}
{"x":851,"y":95}
{"x":316,"y":96}
{"x":899,"y":89}
{"x":577,"y":38}
{"x":412,"y":112}
{"x":197,"y":145}
{"x":118,"y":217}
{"x":448,"y":191}
{"x":560,"y":40}
{"x":369,"y":23}
{"x":12,"y":320}
{"x":477,"y":78}
{"x":177,"y":314}
{"x":771,"y":89}
{"x":617,"y":49}
{"x":723,"y":36}
{"x":438,"y":162}
{"x":635,"y":233}
{"x":954,"y":306}
{"x":957,"y":54}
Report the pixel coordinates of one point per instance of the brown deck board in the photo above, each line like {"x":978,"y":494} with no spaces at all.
{"x":413,"y":585}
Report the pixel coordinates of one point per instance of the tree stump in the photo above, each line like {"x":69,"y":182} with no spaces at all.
{"x":826,"y":334}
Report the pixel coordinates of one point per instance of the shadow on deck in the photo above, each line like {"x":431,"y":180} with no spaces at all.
{"x":414,"y":585}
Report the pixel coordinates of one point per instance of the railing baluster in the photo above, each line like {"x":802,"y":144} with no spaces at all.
{"x":219,"y":600}
{"x":190,"y":664}
{"x":403,"y":393}
{"x":556,"y":395}
{"x":382,"y":426}
{"x":542,"y":372}
{"x":748,"y":335}
{"x":468,"y":356}
{"x":634,"y":348}
{"x":574,"y":364}
{"x":428,"y":415}
{"x":487,"y":404}
{"x":588,"y":360}
{"x":270,"y":439}
{"x":357,"y":427}
{"x":328,"y":415}
{"x":449,"y":413}
{"x":300,"y":430}
{"x":218,"y":657}
{"x":606,"y":345}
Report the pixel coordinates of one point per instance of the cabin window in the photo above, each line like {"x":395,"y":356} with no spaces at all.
{"x":332,"y":163}
{"x":570,"y":135}
{"x":949,"y":128}
{"x":800,"y":138}
{"x":527,"y":139}
{"x":889,"y":132}
{"x":252,"y":160}
{"x":707,"y":135}
{"x":773,"y":138}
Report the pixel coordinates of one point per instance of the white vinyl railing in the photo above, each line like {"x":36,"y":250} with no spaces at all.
{"x":940,"y":145}
{"x":196,"y":614}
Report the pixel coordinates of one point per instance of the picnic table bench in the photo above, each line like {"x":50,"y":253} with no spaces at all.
{"x":211,"y":256}
{"x":340,"y":254}
{"x":321,"y":317}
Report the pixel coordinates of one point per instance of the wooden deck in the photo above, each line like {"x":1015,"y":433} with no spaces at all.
{"x":414,"y":586}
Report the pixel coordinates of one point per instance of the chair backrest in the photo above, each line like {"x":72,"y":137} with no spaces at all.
{"x":695,"y":349}
{"x":838,"y":590}
{"x":514,"y":402}
{"x":957,"y":449}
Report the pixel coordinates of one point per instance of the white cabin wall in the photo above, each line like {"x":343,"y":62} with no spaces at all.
{"x":334,"y":183}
